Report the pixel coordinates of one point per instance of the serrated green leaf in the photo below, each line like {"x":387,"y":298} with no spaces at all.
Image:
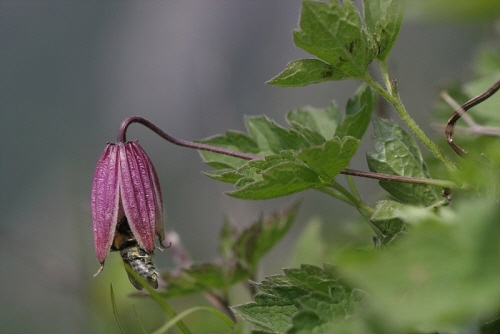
{"x":303,"y":72}
{"x":398,"y":154}
{"x":443,"y":275}
{"x":322,"y":122}
{"x":309,"y":290}
{"x":329,"y":159}
{"x":329,"y":308}
{"x":334,"y":33}
{"x":224,"y":175}
{"x":272,"y":138}
{"x":280,"y":180}
{"x":305,"y":322}
{"x":358,"y":112}
{"x":387,"y":221}
{"x":312,"y":278}
{"x":312,"y":137}
{"x":254,"y":242}
{"x":374,"y":11}
{"x":383,"y":19}
{"x":273,"y":309}
{"x":252,"y":171}
{"x":233,"y":140}
{"x":277,"y":176}
{"x":266,"y":316}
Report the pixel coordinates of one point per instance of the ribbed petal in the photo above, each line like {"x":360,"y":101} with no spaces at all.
{"x":104,"y":201}
{"x":137,"y":191}
{"x":159,"y":222}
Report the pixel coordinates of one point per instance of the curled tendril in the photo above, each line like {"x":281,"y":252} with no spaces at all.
{"x":450,"y":125}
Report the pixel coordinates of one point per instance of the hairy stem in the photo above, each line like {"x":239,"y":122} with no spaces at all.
{"x":197,"y":146}
{"x":385,"y":77}
{"x":395,"y":100}
{"x":246,"y":156}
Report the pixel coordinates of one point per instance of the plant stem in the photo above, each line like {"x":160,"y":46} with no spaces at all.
{"x":157,"y":298}
{"x":385,"y":77}
{"x":336,"y":194}
{"x":352,"y":185}
{"x":173,"y":321}
{"x":364,"y":209}
{"x":221,"y":302}
{"x":397,"y":178}
{"x":450,"y":126}
{"x":198,"y":146}
{"x":246,"y":156}
{"x":395,"y":100}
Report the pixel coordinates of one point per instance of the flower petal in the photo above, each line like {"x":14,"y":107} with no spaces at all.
{"x":137,"y":191}
{"x":104,"y":201}
{"x":159,"y":221}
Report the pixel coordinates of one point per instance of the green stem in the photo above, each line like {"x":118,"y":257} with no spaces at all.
{"x":364,"y":209}
{"x":398,"y":105}
{"x":352,"y":186}
{"x":177,"y":318}
{"x":335,"y":194}
{"x":439,"y":204}
{"x":115,"y":309}
{"x":157,"y":298}
{"x":385,"y":77}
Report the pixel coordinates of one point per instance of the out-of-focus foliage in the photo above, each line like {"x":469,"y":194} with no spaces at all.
{"x":454,"y":10}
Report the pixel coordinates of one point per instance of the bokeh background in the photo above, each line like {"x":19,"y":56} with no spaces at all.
{"x":70,"y":72}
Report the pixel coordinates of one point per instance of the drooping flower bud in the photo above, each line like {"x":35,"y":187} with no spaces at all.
{"x":125,"y":186}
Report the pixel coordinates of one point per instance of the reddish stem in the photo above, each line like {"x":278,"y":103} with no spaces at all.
{"x":180,"y":142}
{"x":246,"y":156}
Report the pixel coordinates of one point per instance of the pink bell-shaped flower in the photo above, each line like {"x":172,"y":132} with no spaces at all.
{"x":125,"y":188}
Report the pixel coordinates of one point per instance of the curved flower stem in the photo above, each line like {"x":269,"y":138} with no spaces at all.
{"x":393,"y":98}
{"x":246,"y":156}
{"x":198,"y":146}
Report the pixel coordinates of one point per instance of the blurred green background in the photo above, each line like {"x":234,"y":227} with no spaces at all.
{"x":70,"y":72}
